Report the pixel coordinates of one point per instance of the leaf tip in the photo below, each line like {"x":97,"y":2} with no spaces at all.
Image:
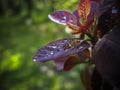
{"x":50,"y":17}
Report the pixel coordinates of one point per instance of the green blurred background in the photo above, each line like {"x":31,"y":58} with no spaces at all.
{"x":24,"y":28}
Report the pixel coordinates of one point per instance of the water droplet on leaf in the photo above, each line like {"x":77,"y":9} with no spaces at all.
{"x":54,"y":47}
{"x":80,"y":47}
{"x":34,"y":60}
{"x":52,"y":52}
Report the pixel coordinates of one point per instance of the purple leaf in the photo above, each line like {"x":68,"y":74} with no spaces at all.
{"x":94,"y":10}
{"x":63,"y":17}
{"x":76,"y":14}
{"x":60,"y":48}
{"x":78,"y":17}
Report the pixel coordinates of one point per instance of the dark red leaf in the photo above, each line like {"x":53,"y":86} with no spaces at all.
{"x":68,"y":62}
{"x":84,"y":8}
{"x":60,"y":48}
{"x":73,"y":60}
{"x":85,"y":24}
{"x":73,"y":27}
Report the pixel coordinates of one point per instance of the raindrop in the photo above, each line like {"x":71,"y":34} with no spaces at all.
{"x":52,"y":52}
{"x":47,"y":54}
{"x":64,"y":17}
{"x":62,"y":43}
{"x":60,"y":49}
{"x":54,"y":47}
{"x":80,"y":47}
{"x":63,"y":20}
{"x":34,"y":60}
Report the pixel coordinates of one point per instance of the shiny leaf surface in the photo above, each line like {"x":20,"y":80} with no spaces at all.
{"x":63,"y":17}
{"x":60,"y":48}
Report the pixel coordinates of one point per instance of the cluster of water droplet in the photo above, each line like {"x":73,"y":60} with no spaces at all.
{"x":58,"y":49}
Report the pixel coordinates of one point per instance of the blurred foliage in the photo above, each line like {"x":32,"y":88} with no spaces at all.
{"x":24,"y":28}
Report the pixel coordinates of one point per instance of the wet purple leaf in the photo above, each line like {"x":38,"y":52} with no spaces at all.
{"x":63,"y":17}
{"x":60,"y":48}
